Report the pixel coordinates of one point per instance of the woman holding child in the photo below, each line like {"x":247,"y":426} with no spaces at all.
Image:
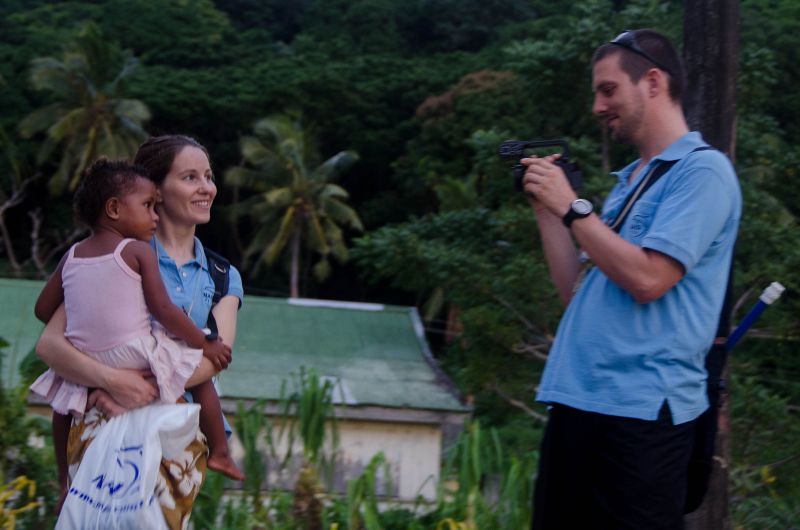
{"x":185,"y":190}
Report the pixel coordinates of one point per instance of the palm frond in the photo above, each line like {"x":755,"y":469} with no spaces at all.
{"x":335,"y":165}
{"x":279,"y":197}
{"x":129,"y":67}
{"x":41,"y":119}
{"x":343,"y":214}
{"x":51,"y":74}
{"x":133,"y":110}
{"x":332,"y":191}
{"x":275,"y":128}
{"x":254,"y":151}
{"x":322,"y":269}
{"x":335,"y":238}
{"x":287,"y":228}
{"x":74,"y":122}
{"x":58,"y":182}
{"x":316,"y":235}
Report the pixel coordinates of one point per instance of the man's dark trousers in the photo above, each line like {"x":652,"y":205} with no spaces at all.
{"x":604,"y":472}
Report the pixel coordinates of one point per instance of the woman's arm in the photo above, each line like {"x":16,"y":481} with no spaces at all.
{"x":225,"y":315}
{"x":129,"y":388}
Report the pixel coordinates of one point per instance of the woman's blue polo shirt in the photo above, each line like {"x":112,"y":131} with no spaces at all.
{"x":191,"y":288}
{"x":614,"y":356}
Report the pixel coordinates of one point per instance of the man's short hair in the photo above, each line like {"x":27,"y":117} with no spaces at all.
{"x":642,"y":49}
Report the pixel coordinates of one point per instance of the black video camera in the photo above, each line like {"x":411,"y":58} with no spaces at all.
{"x":515,"y":150}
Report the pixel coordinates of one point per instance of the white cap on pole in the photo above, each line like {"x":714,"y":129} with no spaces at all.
{"x":772,"y":293}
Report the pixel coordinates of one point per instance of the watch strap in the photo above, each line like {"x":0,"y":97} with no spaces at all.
{"x":571,"y":215}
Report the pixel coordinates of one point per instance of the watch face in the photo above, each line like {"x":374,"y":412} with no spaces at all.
{"x":582,"y":207}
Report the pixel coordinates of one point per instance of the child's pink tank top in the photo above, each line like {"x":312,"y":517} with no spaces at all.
{"x":104,"y":301}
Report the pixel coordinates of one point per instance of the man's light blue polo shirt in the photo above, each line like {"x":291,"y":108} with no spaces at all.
{"x":615,"y":356}
{"x":191,"y":288}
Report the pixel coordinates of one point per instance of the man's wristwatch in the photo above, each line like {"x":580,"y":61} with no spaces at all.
{"x":579,"y":209}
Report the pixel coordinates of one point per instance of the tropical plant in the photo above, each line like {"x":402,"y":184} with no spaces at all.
{"x":251,"y":427}
{"x":492,"y":491}
{"x":90,"y":116}
{"x":297,"y":202}
{"x":362,"y":503}
{"x":309,"y":413}
{"x":10,"y":495}
{"x":28,"y":483}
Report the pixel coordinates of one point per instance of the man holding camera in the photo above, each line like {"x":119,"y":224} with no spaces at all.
{"x":625,"y":377}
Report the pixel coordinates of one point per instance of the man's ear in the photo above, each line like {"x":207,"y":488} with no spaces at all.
{"x":657,"y":82}
{"x":112,"y":208}
{"x":159,"y":199}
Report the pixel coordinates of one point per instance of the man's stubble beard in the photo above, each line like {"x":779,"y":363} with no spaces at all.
{"x":630,"y":125}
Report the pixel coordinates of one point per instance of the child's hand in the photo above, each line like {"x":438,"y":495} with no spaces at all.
{"x":218,"y":353}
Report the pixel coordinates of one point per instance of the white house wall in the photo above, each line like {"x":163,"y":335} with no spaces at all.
{"x":413,"y":453}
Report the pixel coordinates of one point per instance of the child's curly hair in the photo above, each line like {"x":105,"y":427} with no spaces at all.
{"x":103,"y":180}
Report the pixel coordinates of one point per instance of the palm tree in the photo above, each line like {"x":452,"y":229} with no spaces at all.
{"x":295,"y":204}
{"x":88,"y":117}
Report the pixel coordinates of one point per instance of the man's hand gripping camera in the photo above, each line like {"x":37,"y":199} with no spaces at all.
{"x":515,"y":150}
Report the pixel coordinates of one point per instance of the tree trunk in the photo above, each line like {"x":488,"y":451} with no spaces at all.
{"x":710,"y":49}
{"x":711,"y":40}
{"x":295,"y":266}
{"x":9,"y":246}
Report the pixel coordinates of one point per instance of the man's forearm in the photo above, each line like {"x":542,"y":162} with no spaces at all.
{"x":645,"y":275}
{"x":560,"y":253}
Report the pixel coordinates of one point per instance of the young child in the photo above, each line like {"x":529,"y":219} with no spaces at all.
{"x":110,"y":286}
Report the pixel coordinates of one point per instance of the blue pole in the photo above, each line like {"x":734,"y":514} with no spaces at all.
{"x":770,"y":294}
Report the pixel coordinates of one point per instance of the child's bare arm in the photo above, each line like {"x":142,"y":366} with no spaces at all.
{"x":168,"y":314}
{"x":52,"y":295}
{"x":158,"y":301}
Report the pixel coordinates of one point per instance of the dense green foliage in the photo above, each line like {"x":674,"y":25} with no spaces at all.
{"x":423,"y":92}
{"x":26,"y":448}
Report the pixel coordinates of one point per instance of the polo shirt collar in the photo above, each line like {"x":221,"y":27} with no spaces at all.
{"x":676,"y":151}
{"x":199,"y":253}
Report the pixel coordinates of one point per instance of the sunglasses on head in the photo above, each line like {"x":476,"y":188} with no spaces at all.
{"x":627,"y":40}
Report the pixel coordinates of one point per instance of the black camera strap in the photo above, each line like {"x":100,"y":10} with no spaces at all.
{"x":655,"y":173}
{"x":651,"y":178}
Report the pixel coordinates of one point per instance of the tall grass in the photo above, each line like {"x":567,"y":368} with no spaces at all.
{"x":481,"y":487}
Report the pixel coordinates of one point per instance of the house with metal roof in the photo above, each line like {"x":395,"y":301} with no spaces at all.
{"x":390,"y":395}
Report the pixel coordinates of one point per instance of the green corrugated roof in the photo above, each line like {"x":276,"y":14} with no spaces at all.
{"x":377,"y":353}
{"x":17,"y":324}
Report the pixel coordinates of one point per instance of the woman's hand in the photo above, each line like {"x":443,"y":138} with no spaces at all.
{"x":136,"y":389}
{"x":101,"y":400}
{"x":132,"y":389}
